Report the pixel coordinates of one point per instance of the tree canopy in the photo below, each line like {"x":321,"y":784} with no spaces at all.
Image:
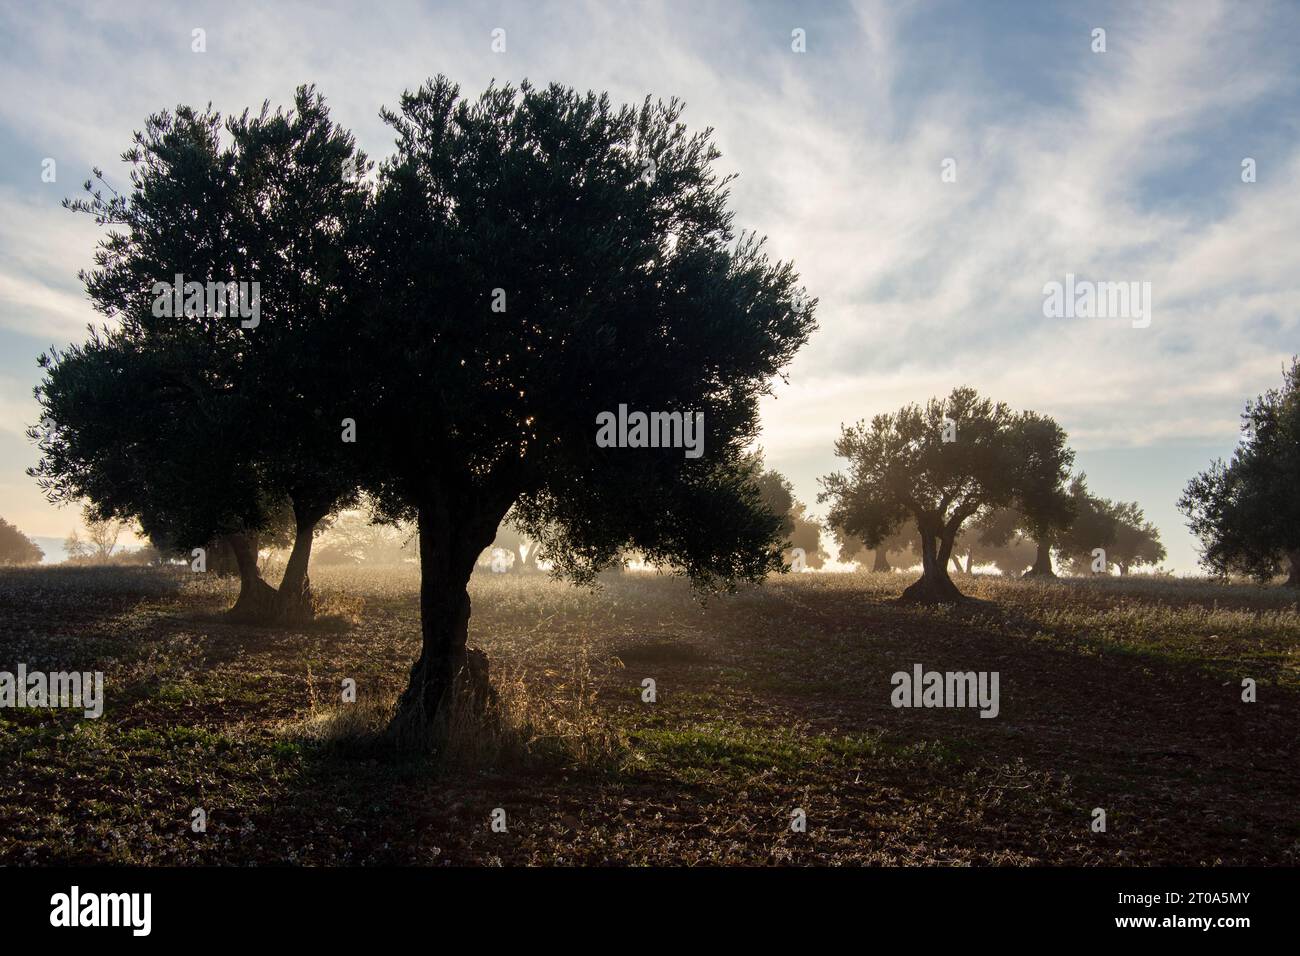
{"x":939,"y":465}
{"x":16,"y":547}
{"x":1246,"y":512}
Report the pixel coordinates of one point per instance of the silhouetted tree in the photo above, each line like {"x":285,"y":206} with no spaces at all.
{"x":541,"y":258}
{"x":997,"y":537}
{"x":938,"y":465}
{"x":16,"y":547}
{"x":104,"y":535}
{"x":1094,"y":527}
{"x":903,"y":546}
{"x":1246,"y":513}
{"x":1045,"y":505}
{"x":174,"y":464}
{"x":797,"y":529}
{"x":354,"y":537}
{"x":75,"y":548}
{"x":1137,"y":541}
{"x":275,"y":202}
{"x":523,"y":551}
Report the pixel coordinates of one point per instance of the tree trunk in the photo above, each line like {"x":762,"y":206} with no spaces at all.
{"x":525,"y":558}
{"x":881,"y":562}
{"x":256,"y":599}
{"x":448,"y":682}
{"x":1042,"y":567}
{"x":956,"y":563}
{"x":934,"y":587}
{"x":1293,"y":579}
{"x":295,"y":602}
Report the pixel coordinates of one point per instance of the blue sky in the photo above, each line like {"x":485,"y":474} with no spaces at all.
{"x":1123,"y":165}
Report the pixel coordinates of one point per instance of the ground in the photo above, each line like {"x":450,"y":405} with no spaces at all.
{"x":1119,"y":694}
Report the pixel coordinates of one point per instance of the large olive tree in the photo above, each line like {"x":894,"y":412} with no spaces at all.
{"x":542,"y":260}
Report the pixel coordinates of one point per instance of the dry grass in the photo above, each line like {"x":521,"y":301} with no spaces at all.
{"x":560,"y":727}
{"x":1122,"y":694}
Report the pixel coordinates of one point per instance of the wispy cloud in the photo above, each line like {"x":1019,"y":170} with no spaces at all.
{"x":1118,"y":166}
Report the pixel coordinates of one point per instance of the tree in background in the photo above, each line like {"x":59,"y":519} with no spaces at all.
{"x":938,"y":465}
{"x":523,"y":551}
{"x":807,"y":537}
{"x":1094,"y":528}
{"x":777,"y":493}
{"x":541,"y":258}
{"x":903,"y":547}
{"x":1137,"y":541}
{"x":997,"y":537}
{"x":75,"y":548}
{"x":1111,"y":532}
{"x":354,"y":537}
{"x":1044,"y":503}
{"x":16,"y":548}
{"x":797,"y":528}
{"x":104,"y":535}
{"x":1246,"y":513}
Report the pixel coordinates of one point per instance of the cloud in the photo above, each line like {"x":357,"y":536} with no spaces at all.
{"x":1116,"y":166}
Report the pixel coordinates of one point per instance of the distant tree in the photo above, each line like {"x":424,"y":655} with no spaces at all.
{"x":778,"y":494}
{"x":997,"y":537}
{"x":903,"y":546}
{"x":1014,"y":556}
{"x":541,"y":258}
{"x":806,"y":535}
{"x":1044,"y":504}
{"x":937,"y":465}
{"x":16,"y":548}
{"x":75,"y":548}
{"x":1137,"y":541}
{"x":1093,"y":530}
{"x":1246,"y":513}
{"x":522,"y":550}
{"x":797,"y":528}
{"x":354,"y":537}
{"x":104,"y":535}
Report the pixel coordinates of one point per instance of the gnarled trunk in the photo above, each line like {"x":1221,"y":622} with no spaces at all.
{"x":1042,"y":567}
{"x":934,"y":587}
{"x":256,"y":599}
{"x":294,"y":598}
{"x":881,"y":562}
{"x":445,"y":669}
{"x":525,"y":558}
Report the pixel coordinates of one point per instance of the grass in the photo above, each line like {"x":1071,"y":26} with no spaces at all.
{"x":1123,"y":694}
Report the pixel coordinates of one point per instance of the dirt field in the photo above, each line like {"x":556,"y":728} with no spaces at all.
{"x":1123,"y":695}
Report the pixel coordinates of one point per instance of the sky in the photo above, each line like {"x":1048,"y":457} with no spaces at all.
{"x":928,"y":167}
